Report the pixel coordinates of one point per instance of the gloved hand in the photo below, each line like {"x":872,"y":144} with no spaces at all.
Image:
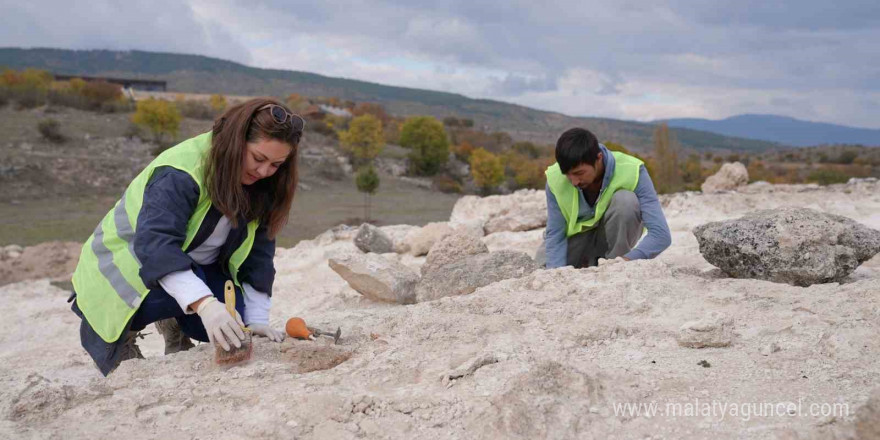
{"x":608,"y":262}
{"x":274,"y":335}
{"x":220,"y":326}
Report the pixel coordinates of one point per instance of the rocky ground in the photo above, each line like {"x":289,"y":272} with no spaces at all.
{"x":553,"y":354}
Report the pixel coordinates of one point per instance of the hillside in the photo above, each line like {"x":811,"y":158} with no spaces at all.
{"x":782,"y":129}
{"x":200,"y":74}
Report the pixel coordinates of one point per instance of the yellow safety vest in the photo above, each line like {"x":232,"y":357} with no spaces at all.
{"x":626,"y":176}
{"x":108,"y":286}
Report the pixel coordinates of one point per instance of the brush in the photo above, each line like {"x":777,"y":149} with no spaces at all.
{"x":239,"y":354}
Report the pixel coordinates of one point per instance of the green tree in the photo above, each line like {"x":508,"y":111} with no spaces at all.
{"x":367,"y":181}
{"x":364,"y":138}
{"x":160,"y":117}
{"x":486,"y":169}
{"x":667,"y":178}
{"x":428,"y":144}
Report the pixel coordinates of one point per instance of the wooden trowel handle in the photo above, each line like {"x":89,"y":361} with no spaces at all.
{"x":229,"y":298}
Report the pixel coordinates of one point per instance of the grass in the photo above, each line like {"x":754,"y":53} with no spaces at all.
{"x":396,"y":202}
{"x":314,"y":211}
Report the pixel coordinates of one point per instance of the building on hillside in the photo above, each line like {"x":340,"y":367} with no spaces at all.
{"x":147,"y":85}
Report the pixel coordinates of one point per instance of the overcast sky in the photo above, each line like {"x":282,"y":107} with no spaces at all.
{"x":638,"y":60}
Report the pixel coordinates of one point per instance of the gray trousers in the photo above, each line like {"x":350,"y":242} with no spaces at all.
{"x":617,"y":233}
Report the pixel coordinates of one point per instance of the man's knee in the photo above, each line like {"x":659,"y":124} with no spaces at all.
{"x":625,"y":204}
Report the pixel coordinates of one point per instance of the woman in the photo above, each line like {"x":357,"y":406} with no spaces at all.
{"x":203,"y":212}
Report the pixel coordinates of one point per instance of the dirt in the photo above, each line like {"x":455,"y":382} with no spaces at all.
{"x":55,"y":260}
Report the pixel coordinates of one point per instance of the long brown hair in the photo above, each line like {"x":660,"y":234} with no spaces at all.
{"x":268,"y":199}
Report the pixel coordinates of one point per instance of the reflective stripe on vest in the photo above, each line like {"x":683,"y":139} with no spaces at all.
{"x":626,"y":177}
{"x":107,"y":280}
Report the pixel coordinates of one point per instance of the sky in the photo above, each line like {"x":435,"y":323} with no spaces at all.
{"x":634,"y":60}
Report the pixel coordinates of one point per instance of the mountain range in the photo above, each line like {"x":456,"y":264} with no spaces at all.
{"x":201,"y":74}
{"x":782,"y":129}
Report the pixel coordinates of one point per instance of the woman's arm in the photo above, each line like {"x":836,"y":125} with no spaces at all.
{"x":170,"y":199}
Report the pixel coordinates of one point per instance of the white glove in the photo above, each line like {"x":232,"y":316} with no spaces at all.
{"x":274,"y":335}
{"x":220,"y":326}
{"x":607,"y":262}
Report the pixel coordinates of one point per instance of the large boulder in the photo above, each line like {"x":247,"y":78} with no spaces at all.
{"x":420,"y":241}
{"x":797,"y":246}
{"x":372,"y":239}
{"x":376,"y":277}
{"x":470,"y":273}
{"x":730,"y":177}
{"x":516,"y":220}
{"x":451,"y":249}
{"x":523,"y":210}
{"x":399,"y":235}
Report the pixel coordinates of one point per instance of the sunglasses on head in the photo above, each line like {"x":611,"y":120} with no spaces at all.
{"x":281,"y":115}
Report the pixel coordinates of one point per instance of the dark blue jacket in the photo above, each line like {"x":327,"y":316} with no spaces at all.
{"x":170,"y":199}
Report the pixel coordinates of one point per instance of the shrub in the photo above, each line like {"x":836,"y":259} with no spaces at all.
{"x":50,"y":129}
{"x":338,"y":123}
{"x":67,"y":97}
{"x":827,"y":176}
{"x":217,"y":103}
{"x":194,"y":109}
{"x":160,"y":117}
{"x":426,"y":139}
{"x":88,"y":95}
{"x":28,"y":97}
{"x":446,"y":184}
{"x":321,"y":127}
{"x":528,"y":173}
{"x":4,"y":97}
{"x":100,"y":92}
{"x":528,"y":149}
{"x":847,"y":157}
{"x":120,"y":106}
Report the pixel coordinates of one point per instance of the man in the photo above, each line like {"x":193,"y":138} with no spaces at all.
{"x":598,"y":203}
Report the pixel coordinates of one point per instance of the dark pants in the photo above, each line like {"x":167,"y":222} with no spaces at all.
{"x":156,"y":306}
{"x":159,"y":305}
{"x":616,"y":234}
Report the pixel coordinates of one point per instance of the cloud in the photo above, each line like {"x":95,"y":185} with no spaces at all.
{"x":627,"y":59}
{"x":160,"y":25}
